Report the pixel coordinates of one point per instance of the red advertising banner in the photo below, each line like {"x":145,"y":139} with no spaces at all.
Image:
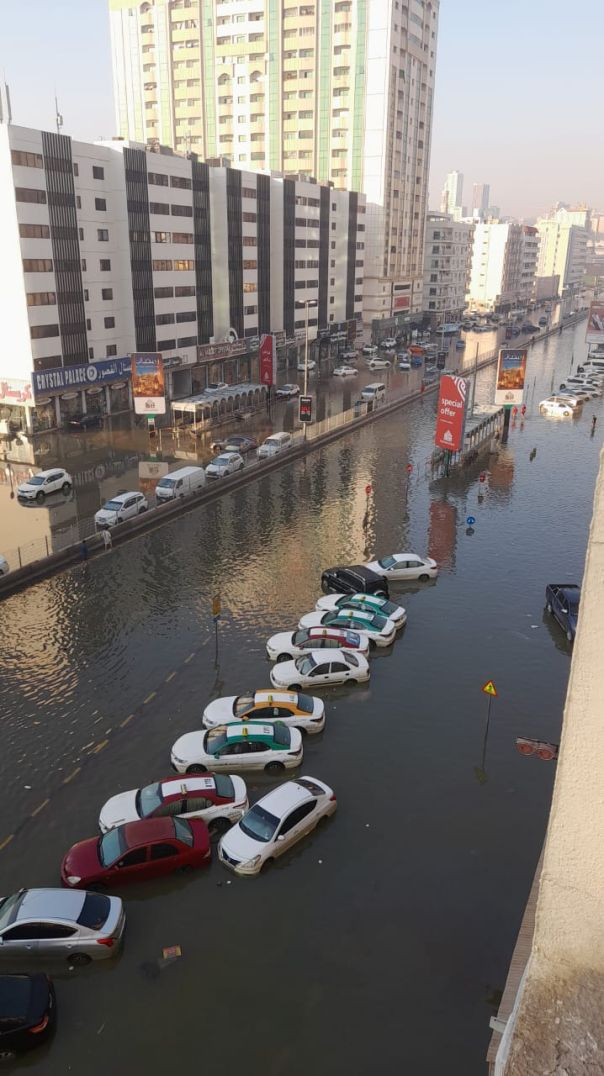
{"x":594,"y":333}
{"x":401,"y":302}
{"x":267,"y":359}
{"x":451,"y":412}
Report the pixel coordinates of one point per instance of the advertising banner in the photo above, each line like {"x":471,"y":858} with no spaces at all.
{"x":268,"y":360}
{"x":305,"y":409}
{"x":401,"y":302}
{"x":451,"y":412}
{"x":81,"y":376}
{"x":15,"y":391}
{"x":594,"y":333}
{"x":148,"y":384}
{"x":511,"y":375}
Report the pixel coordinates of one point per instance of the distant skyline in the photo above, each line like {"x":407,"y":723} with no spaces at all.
{"x":517,"y":92}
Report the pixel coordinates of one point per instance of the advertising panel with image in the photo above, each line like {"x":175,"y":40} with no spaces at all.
{"x":148,"y":387}
{"x":511,"y":375}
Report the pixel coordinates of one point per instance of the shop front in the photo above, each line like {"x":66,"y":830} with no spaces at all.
{"x":61,"y":394}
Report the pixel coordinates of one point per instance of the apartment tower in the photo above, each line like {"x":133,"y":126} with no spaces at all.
{"x":341,"y":91}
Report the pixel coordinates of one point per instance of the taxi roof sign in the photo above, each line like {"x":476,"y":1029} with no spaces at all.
{"x":489,"y":689}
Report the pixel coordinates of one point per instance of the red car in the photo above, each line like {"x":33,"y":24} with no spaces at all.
{"x":137,"y":851}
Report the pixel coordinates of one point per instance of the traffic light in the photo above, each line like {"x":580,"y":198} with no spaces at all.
{"x":305,"y":413}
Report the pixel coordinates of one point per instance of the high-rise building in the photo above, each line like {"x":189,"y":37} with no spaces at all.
{"x":563,"y":247}
{"x":481,"y":193}
{"x":341,"y":91}
{"x":452,"y":193}
{"x":504,"y":259}
{"x":448,"y":253}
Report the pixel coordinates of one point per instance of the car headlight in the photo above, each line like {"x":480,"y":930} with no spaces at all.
{"x":73,"y":879}
{"x":252,"y":862}
{"x":179,"y":761}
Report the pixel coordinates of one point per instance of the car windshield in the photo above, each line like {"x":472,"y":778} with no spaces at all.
{"x":166,"y":482}
{"x":224,"y":786}
{"x":112,"y":506}
{"x":215,"y":739}
{"x":306,"y":664}
{"x":111,"y":846}
{"x":259,"y":824}
{"x":306,"y":704}
{"x":9,"y":908}
{"x":183,"y":831}
{"x":221,"y":460}
{"x":242,"y":704}
{"x":148,"y":799}
{"x":37,"y":480}
{"x":281,"y":735}
{"x":300,"y":637}
{"x":95,"y":910}
{"x":351,"y":638}
{"x":387,"y":562}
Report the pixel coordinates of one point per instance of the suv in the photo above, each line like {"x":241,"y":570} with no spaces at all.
{"x":73,"y":924}
{"x":353,"y":579}
{"x":39,"y":485}
{"x":122,"y":506}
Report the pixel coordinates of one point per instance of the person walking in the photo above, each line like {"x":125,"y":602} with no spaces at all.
{"x":593,"y":424}
{"x":83,"y":550}
{"x":107,"y":539}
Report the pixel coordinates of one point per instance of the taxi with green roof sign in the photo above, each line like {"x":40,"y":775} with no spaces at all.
{"x":371,"y":602}
{"x":253,"y":745}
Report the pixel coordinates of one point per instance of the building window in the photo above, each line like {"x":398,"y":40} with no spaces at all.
{"x":41,"y":298}
{"x":162,"y":265}
{"x":184,"y":291}
{"x":187,"y":341}
{"x":162,"y":208}
{"x":42,"y":332}
{"x":98,"y":172}
{"x":161,"y":237}
{"x":26,"y":194}
{"x":81,"y":234}
{"x":88,"y":324}
{"x":78,"y":202}
{"x":182,"y":237}
{"x":186,"y":315}
{"x":105,"y":265}
{"x":184,"y":264}
{"x":83,"y":265}
{"x":86,"y":295}
{"x":249,"y":263}
{"x":102,"y":235}
{"x":163,"y":293}
{"x":181,"y":181}
{"x":106,"y":293}
{"x":76,"y":169}
{"x":166,"y":345}
{"x":37,"y":265}
{"x":182,"y":211}
{"x":28,"y":160}
{"x":100,"y":204}
{"x":164,"y":319}
{"x":157,"y":179}
{"x":34,"y":231}
{"x":109,"y":323}
{"x":111,"y":350}
{"x":248,"y":192}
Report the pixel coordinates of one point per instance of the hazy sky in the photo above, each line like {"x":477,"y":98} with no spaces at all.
{"x":519,"y":95}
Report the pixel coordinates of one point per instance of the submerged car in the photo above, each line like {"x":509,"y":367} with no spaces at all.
{"x":372,"y":602}
{"x":219,"y":798}
{"x":562,"y":601}
{"x":286,"y":391}
{"x":345,"y":371}
{"x":27,"y":1012}
{"x":239,"y":443}
{"x":556,"y":407}
{"x":405,"y":566}
{"x":78,"y":927}
{"x":252,"y":745}
{"x":275,"y":823}
{"x":293,"y":644}
{"x":289,"y":707}
{"x":353,"y":579}
{"x":321,"y":669}
{"x":137,"y":851}
{"x":380,"y":630}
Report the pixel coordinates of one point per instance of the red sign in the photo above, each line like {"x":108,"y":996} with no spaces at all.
{"x":401,"y":302}
{"x":267,"y":359}
{"x":305,"y":411}
{"x":367,"y":490}
{"x":450,"y":412}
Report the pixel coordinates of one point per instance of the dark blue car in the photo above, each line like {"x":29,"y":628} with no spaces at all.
{"x":562,"y":600}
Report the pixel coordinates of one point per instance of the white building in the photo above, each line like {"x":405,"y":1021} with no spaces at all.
{"x":447,"y":259}
{"x":563,"y":249}
{"x":504,"y":258}
{"x":110,"y":249}
{"x":452,"y":194}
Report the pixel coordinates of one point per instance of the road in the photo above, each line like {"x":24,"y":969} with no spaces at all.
{"x":380,"y":943}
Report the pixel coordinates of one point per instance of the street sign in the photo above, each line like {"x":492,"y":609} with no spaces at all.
{"x":216,"y":605}
{"x":471,"y":520}
{"x":367,"y":490}
{"x":409,"y":468}
{"x":305,"y":412}
{"x":489,"y":689}
{"x":544,"y":750}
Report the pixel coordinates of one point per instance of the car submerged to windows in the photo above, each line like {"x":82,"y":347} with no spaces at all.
{"x":562,"y":602}
{"x":372,"y":602}
{"x":55,"y":923}
{"x":218,"y":798}
{"x":405,"y":566}
{"x":137,"y":851}
{"x":253,"y":745}
{"x":321,"y":668}
{"x":380,"y":630}
{"x":292,"y":644}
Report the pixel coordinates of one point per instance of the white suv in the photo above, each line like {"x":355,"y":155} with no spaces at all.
{"x":43,"y":483}
{"x":122,"y":506}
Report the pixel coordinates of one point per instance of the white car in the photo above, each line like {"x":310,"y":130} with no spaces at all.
{"x":250,"y":745}
{"x":286,"y":391}
{"x":288,"y":707}
{"x":578,"y":383}
{"x":3,"y":565}
{"x":404,"y":364}
{"x":372,"y":602}
{"x":302,"y":366}
{"x":344,"y":371}
{"x":369,"y":349}
{"x":122,"y":506}
{"x":555,"y":408}
{"x":220,"y":799}
{"x":319,"y":669}
{"x":225,"y":464}
{"x":388,"y":342}
{"x":380,"y":630}
{"x":576,"y":398}
{"x":405,"y":566}
{"x":350,"y":354}
{"x":43,"y":483}
{"x":379,"y":364}
{"x":217,"y":386}
{"x":293,"y":644}
{"x":275,"y":823}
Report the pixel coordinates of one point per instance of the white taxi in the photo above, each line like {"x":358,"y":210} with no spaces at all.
{"x":321,"y":669}
{"x":219,"y":798}
{"x":292,"y":644}
{"x":288,"y":707}
{"x":372,"y":602}
{"x":252,"y":745}
{"x":380,"y":630}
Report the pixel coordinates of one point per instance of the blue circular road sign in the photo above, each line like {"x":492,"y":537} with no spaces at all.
{"x":470,"y":521}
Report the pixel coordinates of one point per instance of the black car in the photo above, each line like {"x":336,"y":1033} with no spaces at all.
{"x":240,"y":443}
{"x":354,"y":579}
{"x":90,"y":421}
{"x":27,"y":1011}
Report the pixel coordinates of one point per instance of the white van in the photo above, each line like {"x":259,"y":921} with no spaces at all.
{"x":376,"y":391}
{"x":277,"y":442}
{"x":180,"y":483}
{"x":592,"y":365}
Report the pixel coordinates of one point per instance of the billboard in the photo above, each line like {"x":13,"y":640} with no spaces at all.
{"x":401,"y":302}
{"x":268,"y":360}
{"x":15,"y":391}
{"x":451,"y":412}
{"x":82,"y":376}
{"x":511,"y":375}
{"x":594,"y":333}
{"x":148,"y":384}
{"x":305,"y":409}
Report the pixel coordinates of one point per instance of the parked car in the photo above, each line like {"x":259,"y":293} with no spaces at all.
{"x":388,"y":343}
{"x":277,"y":442}
{"x":353,"y":579}
{"x":404,"y":364}
{"x":555,"y":408}
{"x":379,"y":364}
{"x":372,"y":602}
{"x":311,"y":365}
{"x":225,"y":464}
{"x":78,"y":927}
{"x":89,"y":421}
{"x":122,"y":506}
{"x":293,"y":644}
{"x":543,"y":321}
{"x":218,"y":798}
{"x":136,"y":852}
{"x":180,"y":483}
{"x":275,"y":823}
{"x":254,"y":745}
{"x":27,"y":1012}
{"x":286,"y":391}
{"x":240,"y":443}
{"x":44,"y":482}
{"x":344,"y":371}
{"x":405,"y":566}
{"x":321,"y":669}
{"x":380,"y":630}
{"x":350,"y":354}
{"x":562,"y":601}
{"x":291,"y":708}
{"x":577,"y":382}
{"x":375,"y":392}
{"x":3,"y":565}
{"x":369,"y":349}
{"x":217,"y":386}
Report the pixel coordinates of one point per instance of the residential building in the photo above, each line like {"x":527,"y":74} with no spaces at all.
{"x":111,"y":248}
{"x":563,"y":248}
{"x":481,"y":193}
{"x":452,"y":193}
{"x":504,"y":258}
{"x":447,"y":259}
{"x":339,"y":91}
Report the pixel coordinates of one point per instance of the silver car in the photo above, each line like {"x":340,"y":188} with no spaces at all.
{"x":66,"y":924}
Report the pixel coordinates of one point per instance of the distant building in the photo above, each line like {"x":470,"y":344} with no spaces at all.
{"x":480,"y":200}
{"x":493,"y":212}
{"x":452,"y":194}
{"x":504,"y":258}
{"x":563,"y":246}
{"x":448,"y":249}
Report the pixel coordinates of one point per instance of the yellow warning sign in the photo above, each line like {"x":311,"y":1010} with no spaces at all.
{"x":490,"y":689}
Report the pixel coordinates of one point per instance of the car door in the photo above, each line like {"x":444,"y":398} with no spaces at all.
{"x":51,"y":483}
{"x":321,"y":673}
{"x":55,"y":939}
{"x":298,"y":822}
{"x":20,"y":938}
{"x":132,"y":865}
{"x":339,"y":672}
{"x":560,"y":609}
{"x":164,"y":857}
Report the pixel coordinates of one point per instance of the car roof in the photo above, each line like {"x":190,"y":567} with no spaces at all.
{"x":359,"y":569}
{"x":176,"y":787}
{"x":49,"y":470}
{"x":321,"y":656}
{"x":148,"y":829}
{"x":329,"y":631}
{"x":282,"y":799}
{"x":270,"y":695}
{"x":51,"y":904}
{"x":123,"y":496}
{"x":245,"y":731}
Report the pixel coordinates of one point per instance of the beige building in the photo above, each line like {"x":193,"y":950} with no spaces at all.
{"x":563,"y":246}
{"x":341,"y":91}
{"x":447,"y":260}
{"x":504,"y":258}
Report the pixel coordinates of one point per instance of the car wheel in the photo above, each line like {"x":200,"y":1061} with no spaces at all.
{"x":372,"y":644}
{"x":79,"y":960}
{"x":65,"y":487}
{"x":566,"y":413}
{"x":141,"y":510}
{"x":219,"y":826}
{"x":563,"y":386}
{"x":274,"y":767}
{"x":424,"y":578}
{"x":196,"y":768}
{"x":569,"y":636}
{"x":549,"y":607}
{"x":40,"y":495}
{"x":283,"y":657}
{"x":241,"y":466}
{"x":294,"y":687}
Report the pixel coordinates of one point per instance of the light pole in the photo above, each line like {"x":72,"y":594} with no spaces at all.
{"x":306,"y":303}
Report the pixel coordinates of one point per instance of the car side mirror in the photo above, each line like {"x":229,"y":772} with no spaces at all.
{"x":281,"y":837}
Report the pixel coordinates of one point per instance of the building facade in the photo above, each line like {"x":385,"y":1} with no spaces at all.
{"x":504,"y":260}
{"x":341,"y":91}
{"x":563,"y":247}
{"x":112,"y":248}
{"x":447,"y":259}
{"x":452,"y":194}
{"x":481,"y":192}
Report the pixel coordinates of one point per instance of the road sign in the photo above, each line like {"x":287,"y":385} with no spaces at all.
{"x":409,"y":468}
{"x":305,"y":413}
{"x":368,"y":489}
{"x":216,"y":605}
{"x":471,"y":520}
{"x":489,"y":689}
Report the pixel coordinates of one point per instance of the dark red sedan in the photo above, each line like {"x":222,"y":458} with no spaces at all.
{"x":137,"y":851}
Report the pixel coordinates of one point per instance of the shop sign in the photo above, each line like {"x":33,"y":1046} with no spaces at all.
{"x":79,"y":377}
{"x":15,"y":391}
{"x":224,"y":350}
{"x":268,"y":360}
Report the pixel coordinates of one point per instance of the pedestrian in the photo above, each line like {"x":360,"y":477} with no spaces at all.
{"x":593,"y":424}
{"x":523,"y":410}
{"x":107,"y":539}
{"x":83,"y":550}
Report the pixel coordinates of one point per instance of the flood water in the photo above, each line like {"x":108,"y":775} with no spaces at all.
{"x":379,"y":943}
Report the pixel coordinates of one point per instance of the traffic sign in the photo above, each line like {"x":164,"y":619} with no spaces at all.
{"x":216,"y":605}
{"x":470,"y":521}
{"x":305,"y":412}
{"x":489,"y":689}
{"x":368,"y":489}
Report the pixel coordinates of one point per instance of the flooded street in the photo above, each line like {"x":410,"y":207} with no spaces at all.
{"x":379,"y":944}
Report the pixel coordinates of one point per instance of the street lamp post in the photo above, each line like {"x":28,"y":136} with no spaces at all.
{"x":306,"y":303}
